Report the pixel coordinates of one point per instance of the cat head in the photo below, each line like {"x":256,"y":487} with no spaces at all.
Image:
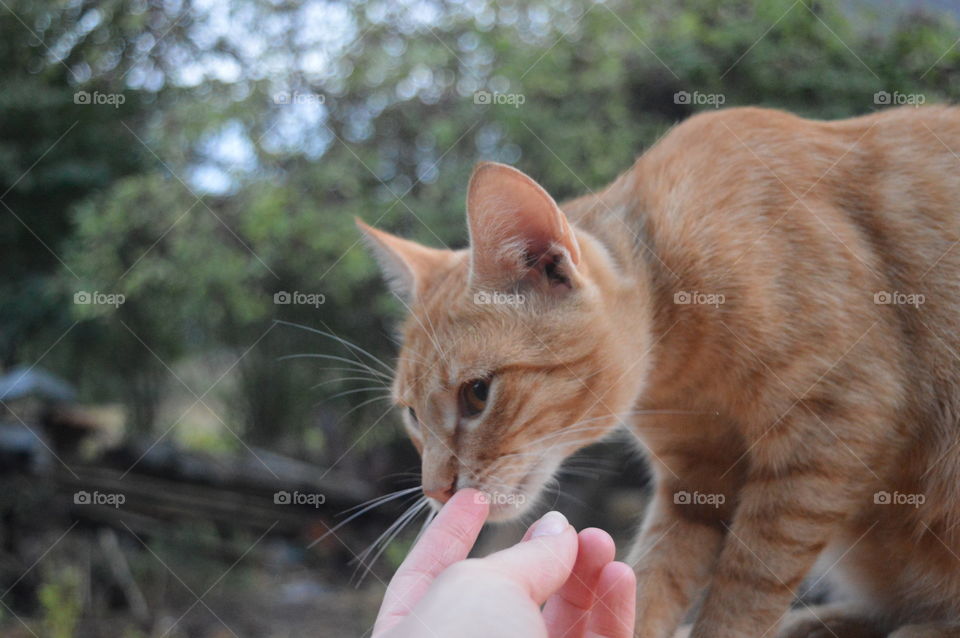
{"x":514,"y":354}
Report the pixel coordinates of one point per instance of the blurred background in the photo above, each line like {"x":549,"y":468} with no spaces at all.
{"x":194,"y":350}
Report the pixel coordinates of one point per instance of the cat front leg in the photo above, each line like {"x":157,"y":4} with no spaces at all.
{"x":786,"y":513}
{"x":672,"y":557}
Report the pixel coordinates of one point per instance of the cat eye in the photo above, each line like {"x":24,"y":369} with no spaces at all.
{"x":413,"y":415}
{"x":473,"y":397}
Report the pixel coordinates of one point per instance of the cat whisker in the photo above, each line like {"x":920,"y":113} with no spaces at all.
{"x":380,"y":397}
{"x":362,"y":366}
{"x":342,"y":379}
{"x":409,"y":356}
{"x":360,"y":558}
{"x":591,"y":465}
{"x":434,"y":331}
{"x":362,"y":371}
{"x":362,"y":375}
{"x":555,"y":486}
{"x":404,"y":355}
{"x":620,"y":416}
{"x":553,"y":435}
{"x":431,"y":334}
{"x":355,"y":391}
{"x":575,"y":427}
{"x":393,"y":340}
{"x":366,"y":507}
{"x":387,"y":398}
{"x":536,"y":443}
{"x":341,"y":340}
{"x":542,"y":454}
{"x":580,"y":472}
{"x":380,"y":500}
{"x":384,"y":540}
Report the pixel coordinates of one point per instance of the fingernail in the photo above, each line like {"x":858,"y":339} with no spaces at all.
{"x":551,"y":524}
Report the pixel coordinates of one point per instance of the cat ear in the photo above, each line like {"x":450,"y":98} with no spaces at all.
{"x":406,"y":265}
{"x":517,"y":230}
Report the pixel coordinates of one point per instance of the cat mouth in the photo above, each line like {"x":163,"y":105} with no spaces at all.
{"x":506,"y":505}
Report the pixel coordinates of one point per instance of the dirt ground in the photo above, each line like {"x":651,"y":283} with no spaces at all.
{"x":293,"y":609}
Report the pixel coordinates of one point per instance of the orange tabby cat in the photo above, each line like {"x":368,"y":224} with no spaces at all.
{"x":790,"y":289}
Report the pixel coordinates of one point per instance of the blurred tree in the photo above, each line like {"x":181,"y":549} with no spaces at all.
{"x":262,"y":128}
{"x":252,"y":132}
{"x":53,"y":153}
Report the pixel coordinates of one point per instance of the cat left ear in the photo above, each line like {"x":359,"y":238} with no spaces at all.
{"x":517,"y":230}
{"x":407,"y":265}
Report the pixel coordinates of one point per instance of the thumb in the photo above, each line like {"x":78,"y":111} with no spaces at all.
{"x":542,"y":564}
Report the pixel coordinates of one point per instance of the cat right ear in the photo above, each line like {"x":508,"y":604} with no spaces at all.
{"x":406,"y":265}
{"x":517,"y":231}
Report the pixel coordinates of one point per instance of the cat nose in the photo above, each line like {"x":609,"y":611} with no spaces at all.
{"x":442,"y":493}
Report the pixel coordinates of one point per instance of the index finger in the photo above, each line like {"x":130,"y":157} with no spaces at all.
{"x":449,"y":539}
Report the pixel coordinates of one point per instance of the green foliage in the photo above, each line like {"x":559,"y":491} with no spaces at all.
{"x":393,"y":142}
{"x":53,"y":153}
{"x":62,"y":603}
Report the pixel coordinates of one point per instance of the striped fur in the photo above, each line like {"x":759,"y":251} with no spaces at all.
{"x":739,"y":273}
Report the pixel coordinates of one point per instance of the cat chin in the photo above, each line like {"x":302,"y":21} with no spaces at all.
{"x":508,"y":506}
{"x":501,"y":513}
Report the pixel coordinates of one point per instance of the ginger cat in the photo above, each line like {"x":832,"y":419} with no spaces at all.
{"x":791,"y":289}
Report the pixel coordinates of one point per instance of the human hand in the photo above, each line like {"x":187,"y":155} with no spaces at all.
{"x":437,"y":593}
